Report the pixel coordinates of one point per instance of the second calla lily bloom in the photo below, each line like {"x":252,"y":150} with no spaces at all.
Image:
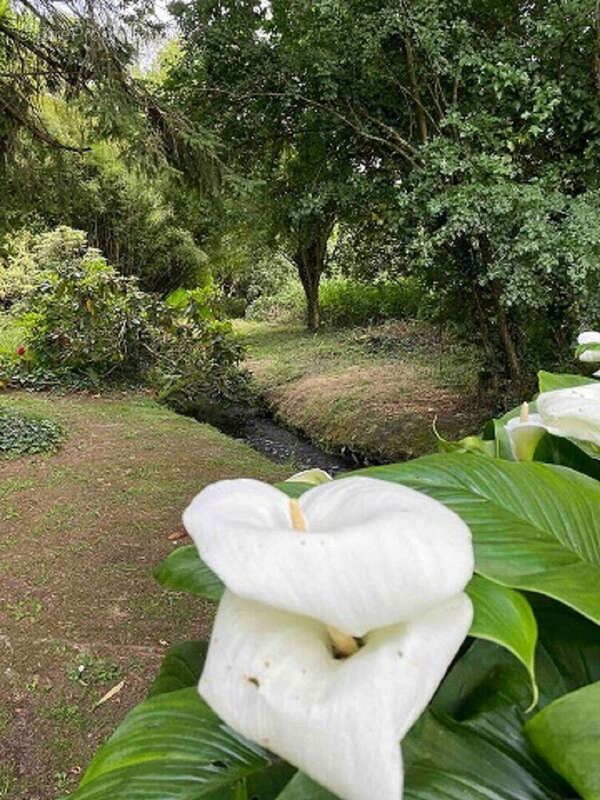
{"x":590,"y":356}
{"x":342,"y":613}
{"x":573,"y":413}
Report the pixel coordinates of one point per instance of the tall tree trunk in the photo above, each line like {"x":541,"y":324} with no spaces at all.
{"x":414,"y":85}
{"x":310,"y":258}
{"x":510,"y":350}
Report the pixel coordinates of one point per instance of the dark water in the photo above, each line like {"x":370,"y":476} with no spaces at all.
{"x":273,"y":440}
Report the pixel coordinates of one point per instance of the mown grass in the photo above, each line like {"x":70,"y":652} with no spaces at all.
{"x":82,"y":530}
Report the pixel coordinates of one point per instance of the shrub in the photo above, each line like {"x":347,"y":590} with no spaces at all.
{"x":86,"y":324}
{"x":20,"y":269}
{"x":344,"y":302}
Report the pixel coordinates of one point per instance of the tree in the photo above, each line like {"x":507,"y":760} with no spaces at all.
{"x":242,"y":76}
{"x":467,"y":121}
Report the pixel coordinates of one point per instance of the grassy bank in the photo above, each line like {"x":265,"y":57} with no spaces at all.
{"x":81,"y":531}
{"x":374,"y":391}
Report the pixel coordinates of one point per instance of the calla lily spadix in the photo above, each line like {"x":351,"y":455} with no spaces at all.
{"x":525,"y":432}
{"x":342,"y":613}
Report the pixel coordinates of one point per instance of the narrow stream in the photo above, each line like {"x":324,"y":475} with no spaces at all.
{"x":273,"y":440}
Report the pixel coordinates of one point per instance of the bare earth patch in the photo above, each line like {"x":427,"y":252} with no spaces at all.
{"x":80,"y":533}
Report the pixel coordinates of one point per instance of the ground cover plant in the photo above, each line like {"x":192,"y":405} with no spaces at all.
{"x":522,"y":693}
{"x":22,"y":433}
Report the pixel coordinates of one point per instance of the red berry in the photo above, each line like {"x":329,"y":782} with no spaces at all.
{"x":21,"y":351}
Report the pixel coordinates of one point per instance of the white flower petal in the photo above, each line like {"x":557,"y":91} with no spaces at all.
{"x":596,"y":374}
{"x":590,"y":356}
{"x":272,"y":677}
{"x":314,"y":476}
{"x":374,"y":553}
{"x":573,"y":413}
{"x":525,"y":436}
{"x":589,"y":337}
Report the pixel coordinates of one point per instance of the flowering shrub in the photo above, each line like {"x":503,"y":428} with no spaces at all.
{"x":86,"y":324}
{"x":349,"y":620}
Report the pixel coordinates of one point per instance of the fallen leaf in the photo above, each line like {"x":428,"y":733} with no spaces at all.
{"x":111,"y":693}
{"x":176,"y":535}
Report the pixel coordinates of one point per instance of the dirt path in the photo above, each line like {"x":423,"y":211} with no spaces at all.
{"x":80,"y":533}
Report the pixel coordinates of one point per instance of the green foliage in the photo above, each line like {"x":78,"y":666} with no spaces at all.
{"x":86,"y":318}
{"x":22,"y":434}
{"x":184,"y":571}
{"x":566,"y":734}
{"x":344,"y":302}
{"x":190,"y":748}
{"x":85,"y":324}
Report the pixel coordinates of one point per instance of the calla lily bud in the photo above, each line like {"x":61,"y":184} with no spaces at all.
{"x":271,"y":676}
{"x":589,"y":337}
{"x":373,"y":553}
{"x":573,"y":413}
{"x":524,"y":433}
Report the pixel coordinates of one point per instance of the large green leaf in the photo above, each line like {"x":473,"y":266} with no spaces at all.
{"x":535,"y":526}
{"x":567,"y":453}
{"x":173,"y":747}
{"x":184,"y":571}
{"x":567,"y":734}
{"x":568,"y":652}
{"x":504,"y":616}
{"x":551,"y":381}
{"x":181,"y":667}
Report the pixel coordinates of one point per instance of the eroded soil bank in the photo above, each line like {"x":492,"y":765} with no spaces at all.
{"x":372,"y":394}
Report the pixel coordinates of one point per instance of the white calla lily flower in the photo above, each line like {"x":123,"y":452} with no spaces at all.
{"x":596,"y":374}
{"x":573,"y":412}
{"x":271,"y":676}
{"x":524,"y":433}
{"x":589,"y":337}
{"x":373,"y":553}
{"x":342,"y":613}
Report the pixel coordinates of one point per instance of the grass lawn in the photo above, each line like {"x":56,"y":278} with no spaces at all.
{"x":80,"y":532}
{"x":375,"y":390}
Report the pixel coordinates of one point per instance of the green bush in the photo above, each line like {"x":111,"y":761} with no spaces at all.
{"x":87,"y":325}
{"x":344,"y":302}
{"x":20,"y":268}
{"x":25,"y":433}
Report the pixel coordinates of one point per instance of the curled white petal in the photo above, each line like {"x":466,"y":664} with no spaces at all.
{"x":525,"y":436}
{"x":314,"y":476}
{"x":590,"y":356}
{"x":596,"y":374}
{"x":271,"y":676}
{"x":374,"y":553}
{"x":573,"y":413}
{"x":589,"y":337}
